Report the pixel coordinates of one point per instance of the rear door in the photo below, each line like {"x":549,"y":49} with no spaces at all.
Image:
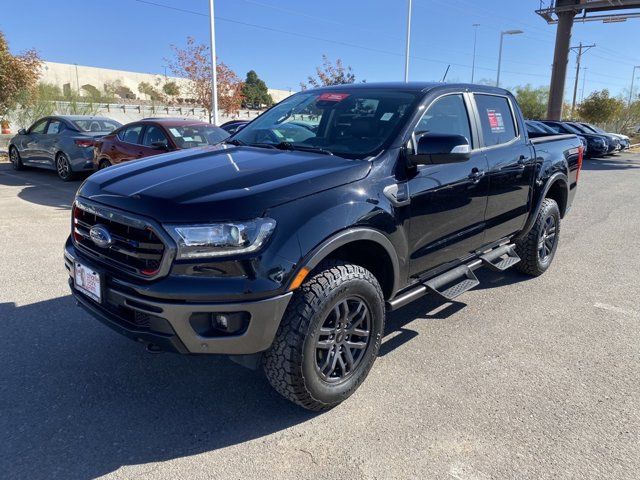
{"x":511,"y":166}
{"x":49,"y":141}
{"x":127,"y":146}
{"x":32,"y":150}
{"x":448,"y":201}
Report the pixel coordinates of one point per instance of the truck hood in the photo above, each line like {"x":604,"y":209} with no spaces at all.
{"x":218,"y":183}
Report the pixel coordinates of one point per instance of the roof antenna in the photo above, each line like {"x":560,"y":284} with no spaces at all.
{"x":445,"y":73}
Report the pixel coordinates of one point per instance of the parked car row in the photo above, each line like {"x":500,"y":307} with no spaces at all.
{"x":596,"y":142}
{"x":73,"y":144}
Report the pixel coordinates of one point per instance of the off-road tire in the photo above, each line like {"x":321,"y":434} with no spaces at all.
{"x":528,"y":249}
{"x":290,"y":363}
{"x":14,"y":158}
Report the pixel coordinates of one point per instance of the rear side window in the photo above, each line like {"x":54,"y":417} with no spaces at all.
{"x":55,"y":126}
{"x":498,"y":125}
{"x":130,"y":134}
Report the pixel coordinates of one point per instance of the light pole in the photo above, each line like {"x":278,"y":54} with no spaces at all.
{"x":214,"y":79}
{"x":502,"y":34}
{"x":633,"y":77}
{"x":475,"y":41}
{"x":406,"y":52}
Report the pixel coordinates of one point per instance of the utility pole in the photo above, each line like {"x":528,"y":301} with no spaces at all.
{"x":581,"y":50}
{"x":560,"y":60}
{"x":214,"y":74}
{"x":406,"y":52}
{"x":633,"y":77}
{"x":584,"y":80}
{"x":475,"y":41}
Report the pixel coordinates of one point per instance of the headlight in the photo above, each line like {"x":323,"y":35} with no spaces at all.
{"x":219,"y":239}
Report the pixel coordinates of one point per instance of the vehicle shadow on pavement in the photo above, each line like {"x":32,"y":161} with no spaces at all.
{"x":616,"y":163}
{"x":79,"y":401}
{"x":41,"y":187}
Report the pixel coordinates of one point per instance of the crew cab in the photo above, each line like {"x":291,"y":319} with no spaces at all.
{"x":285,"y":247}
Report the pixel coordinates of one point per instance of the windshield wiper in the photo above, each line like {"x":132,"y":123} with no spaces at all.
{"x":302,"y":148}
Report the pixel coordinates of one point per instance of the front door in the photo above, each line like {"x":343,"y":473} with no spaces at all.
{"x":32,"y":149}
{"x":511,"y":167}
{"x":448,"y":201}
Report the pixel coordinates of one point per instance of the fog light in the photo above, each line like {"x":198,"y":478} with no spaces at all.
{"x":221,"y":321}
{"x":230,"y":322}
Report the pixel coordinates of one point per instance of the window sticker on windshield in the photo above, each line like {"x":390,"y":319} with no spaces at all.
{"x":386,"y":117}
{"x":333,"y":97}
{"x":495,"y":121}
{"x":175,"y":132}
{"x":188,"y":139}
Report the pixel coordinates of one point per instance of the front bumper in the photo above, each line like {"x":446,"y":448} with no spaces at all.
{"x":168,"y":324}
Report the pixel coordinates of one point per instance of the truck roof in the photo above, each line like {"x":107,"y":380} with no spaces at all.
{"x":412,"y":87}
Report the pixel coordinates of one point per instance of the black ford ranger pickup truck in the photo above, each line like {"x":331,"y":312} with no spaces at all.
{"x":285,"y":246}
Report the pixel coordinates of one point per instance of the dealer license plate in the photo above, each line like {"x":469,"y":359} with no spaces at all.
{"x":87,"y":281}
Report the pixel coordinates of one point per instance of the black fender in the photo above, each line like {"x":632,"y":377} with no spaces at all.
{"x":539,"y":197}
{"x":344,"y":237}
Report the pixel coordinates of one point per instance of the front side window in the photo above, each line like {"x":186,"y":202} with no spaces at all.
{"x":447,"y":115}
{"x":131,"y":134}
{"x":39,"y":127}
{"x":350,"y":122}
{"x":496,"y":119}
{"x":153,"y":135}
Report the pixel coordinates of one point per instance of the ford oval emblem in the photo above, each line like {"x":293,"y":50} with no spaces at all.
{"x":100,"y":236}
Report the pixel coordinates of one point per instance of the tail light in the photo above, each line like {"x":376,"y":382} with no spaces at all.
{"x":580,"y":156}
{"x":84,"y":142}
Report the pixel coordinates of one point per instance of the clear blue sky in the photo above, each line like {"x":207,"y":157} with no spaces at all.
{"x":283,"y":40}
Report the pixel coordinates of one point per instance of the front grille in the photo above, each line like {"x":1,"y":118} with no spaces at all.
{"x":135,"y":247}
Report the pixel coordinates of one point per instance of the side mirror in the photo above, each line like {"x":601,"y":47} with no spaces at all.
{"x":162,"y":145}
{"x":437,"y":148}
{"x":22,"y":131}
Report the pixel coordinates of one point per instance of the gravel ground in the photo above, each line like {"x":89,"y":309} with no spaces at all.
{"x":524,"y":378}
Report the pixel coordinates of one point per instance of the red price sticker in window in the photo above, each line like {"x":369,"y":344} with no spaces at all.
{"x":333,"y":97}
{"x":495,"y":121}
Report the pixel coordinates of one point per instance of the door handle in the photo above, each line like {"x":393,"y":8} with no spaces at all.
{"x":476,"y":175}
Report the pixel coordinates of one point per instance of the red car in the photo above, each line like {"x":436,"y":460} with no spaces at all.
{"x":152,"y":136}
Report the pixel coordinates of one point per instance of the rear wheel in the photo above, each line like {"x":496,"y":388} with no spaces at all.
{"x":14,"y":157}
{"x":539,"y":247}
{"x":63,"y":167}
{"x":329,"y":337}
{"x":104,"y":164}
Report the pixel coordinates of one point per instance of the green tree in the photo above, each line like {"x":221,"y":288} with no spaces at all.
{"x":533,"y":101}
{"x":600,"y":107}
{"x":255,"y":91}
{"x":18,"y":76}
{"x":330,"y":74}
{"x":149,"y":90}
{"x":171,"y":89}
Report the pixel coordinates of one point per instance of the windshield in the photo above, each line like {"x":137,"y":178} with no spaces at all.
{"x":96,"y":125}
{"x":580,"y":128}
{"x":570,"y":128}
{"x":190,"y":136}
{"x":544,"y":128}
{"x":593,"y":128}
{"x":353,"y":123}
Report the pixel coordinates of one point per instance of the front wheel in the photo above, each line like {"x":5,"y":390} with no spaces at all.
{"x":329,"y":337}
{"x":539,"y":247}
{"x":16,"y":160}
{"x":63,"y":167}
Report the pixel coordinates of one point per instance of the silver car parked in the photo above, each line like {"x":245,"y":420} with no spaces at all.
{"x":60,"y":143}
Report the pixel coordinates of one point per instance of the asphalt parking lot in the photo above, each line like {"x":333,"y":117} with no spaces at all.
{"x":525,"y":378}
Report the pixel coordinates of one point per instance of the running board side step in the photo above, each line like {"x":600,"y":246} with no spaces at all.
{"x":455,"y":282}
{"x":501,"y":258}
